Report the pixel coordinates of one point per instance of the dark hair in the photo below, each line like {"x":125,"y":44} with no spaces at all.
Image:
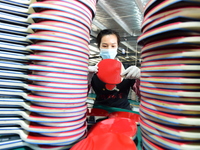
{"x":106,"y":32}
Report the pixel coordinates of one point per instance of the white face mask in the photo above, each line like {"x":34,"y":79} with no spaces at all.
{"x":108,"y":53}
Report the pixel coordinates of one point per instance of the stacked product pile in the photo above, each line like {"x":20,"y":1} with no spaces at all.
{"x":43,"y":71}
{"x":170,"y":82}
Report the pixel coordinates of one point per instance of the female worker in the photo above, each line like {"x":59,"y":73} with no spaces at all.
{"x":108,"y":43}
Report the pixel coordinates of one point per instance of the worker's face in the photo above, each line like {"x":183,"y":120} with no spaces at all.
{"x":108,"y":46}
{"x":109,"y":42}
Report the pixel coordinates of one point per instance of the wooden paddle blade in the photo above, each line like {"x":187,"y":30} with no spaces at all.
{"x":109,"y":71}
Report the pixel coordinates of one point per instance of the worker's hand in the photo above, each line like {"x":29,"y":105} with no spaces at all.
{"x":93,"y":69}
{"x":131,"y":72}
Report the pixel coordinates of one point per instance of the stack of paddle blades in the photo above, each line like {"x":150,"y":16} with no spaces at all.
{"x":170,"y":78}
{"x":43,"y":71}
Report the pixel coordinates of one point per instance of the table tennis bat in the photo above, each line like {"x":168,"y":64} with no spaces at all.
{"x":50,"y":97}
{"x":115,"y":124}
{"x":43,"y":88}
{"x":171,"y":93}
{"x":70,"y":49}
{"x":170,"y":4}
{"x":14,"y":141}
{"x":43,"y":109}
{"x":172,"y":105}
{"x":16,"y":3}
{"x":91,"y":5}
{"x":16,"y":102}
{"x":169,"y":144}
{"x":15,"y":29}
{"x":149,"y":145}
{"x":62,"y":10}
{"x":169,"y":110}
{"x":183,"y":14}
{"x":184,"y":74}
{"x":175,"y":119}
{"x":44,"y":5}
{"x":149,"y":5}
{"x":173,"y":61}
{"x":61,"y":47}
{"x":37,"y":128}
{"x":130,"y":115}
{"x":78,"y":6}
{"x":44,"y":76}
{"x":48,"y":130}
{"x":171,"y":67}
{"x":97,"y":112}
{"x":53,"y":17}
{"x":109,"y":140}
{"x":35,"y":16}
{"x":17,"y":9}
{"x":180,"y":86}
{"x":16,"y":19}
{"x":23,"y":3}
{"x":11,"y":38}
{"x":170,"y":54}
{"x":44,"y":56}
{"x":11,"y":47}
{"x":59,"y":27}
{"x":42,"y":119}
{"x":58,"y":95}
{"x":35,"y":138}
{"x":68,"y":66}
{"x":53,"y":90}
{"x":153,"y":130}
{"x":187,"y":12}
{"x":178,"y":42}
{"x":71,"y":57}
{"x":171,"y":80}
{"x":147,"y":94}
{"x":19,"y":111}
{"x":18,"y":143}
{"x":185,"y":132}
{"x":54,"y":35}
{"x":42,"y":37}
{"x":161,"y":121}
{"x":8,"y":65}
{"x":109,"y":71}
{"x":166,"y":31}
{"x":67,"y":133}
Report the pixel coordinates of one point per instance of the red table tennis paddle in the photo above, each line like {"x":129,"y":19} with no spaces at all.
{"x":149,"y":145}
{"x":170,"y":144}
{"x":167,"y":5}
{"x":173,"y":105}
{"x":35,"y":138}
{"x":119,"y":125}
{"x":154,"y":130}
{"x":169,"y":99}
{"x":37,"y":128}
{"x":166,"y":31}
{"x":109,"y":140}
{"x":172,"y":119}
{"x":130,"y":115}
{"x":109,"y":71}
{"x":185,"y":132}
